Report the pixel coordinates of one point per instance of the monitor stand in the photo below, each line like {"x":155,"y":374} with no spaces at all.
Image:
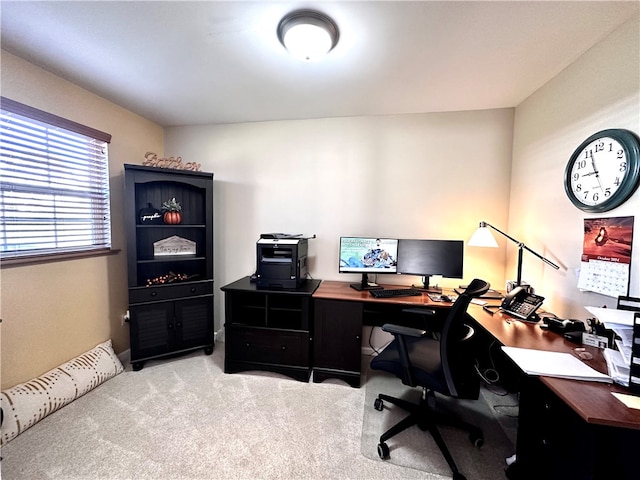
{"x":425,"y":286}
{"x":365,"y":285}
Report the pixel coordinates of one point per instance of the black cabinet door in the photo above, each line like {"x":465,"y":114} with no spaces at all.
{"x":152,"y":327}
{"x":194,"y":322}
{"x":163,"y":327}
{"x":338,"y":335}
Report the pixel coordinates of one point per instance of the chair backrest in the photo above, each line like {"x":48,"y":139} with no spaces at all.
{"x":456,"y":354}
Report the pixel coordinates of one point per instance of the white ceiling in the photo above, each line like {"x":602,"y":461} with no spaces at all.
{"x":187,"y":63}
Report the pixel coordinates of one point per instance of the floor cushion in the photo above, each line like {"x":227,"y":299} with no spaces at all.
{"x":26,"y":404}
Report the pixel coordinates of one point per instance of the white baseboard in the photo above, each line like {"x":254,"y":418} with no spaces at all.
{"x":219,"y":336}
{"x":125,"y":356}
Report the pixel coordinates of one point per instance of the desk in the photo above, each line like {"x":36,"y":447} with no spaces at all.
{"x":339,"y":314}
{"x":567,"y":429}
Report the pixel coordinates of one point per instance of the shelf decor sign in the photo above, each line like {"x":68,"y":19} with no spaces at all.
{"x":152,"y":160}
{"x":149,"y":216}
{"x":174,"y":245}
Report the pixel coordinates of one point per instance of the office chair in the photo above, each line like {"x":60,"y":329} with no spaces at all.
{"x":442,"y":362}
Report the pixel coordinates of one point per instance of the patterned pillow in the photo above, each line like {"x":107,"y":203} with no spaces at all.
{"x":27,"y":403}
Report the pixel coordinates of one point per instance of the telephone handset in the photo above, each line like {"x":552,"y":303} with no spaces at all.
{"x":520,"y":303}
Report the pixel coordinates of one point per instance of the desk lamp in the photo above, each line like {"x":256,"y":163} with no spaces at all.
{"x":483,"y":238}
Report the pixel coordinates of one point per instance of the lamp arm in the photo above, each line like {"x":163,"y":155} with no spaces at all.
{"x":522,"y":245}
{"x":485,"y":224}
{"x":548,"y":262}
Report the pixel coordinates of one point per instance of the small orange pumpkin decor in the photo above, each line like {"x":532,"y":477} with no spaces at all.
{"x":172,"y":215}
{"x":172,"y":218}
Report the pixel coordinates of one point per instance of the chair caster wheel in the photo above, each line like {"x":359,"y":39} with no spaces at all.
{"x":378,"y":404}
{"x":476,"y":439}
{"x":383,"y":451}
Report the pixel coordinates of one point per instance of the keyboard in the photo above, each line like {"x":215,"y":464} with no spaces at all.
{"x":395,"y":292}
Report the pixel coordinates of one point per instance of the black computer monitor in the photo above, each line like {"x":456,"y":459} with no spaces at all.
{"x":367,"y":255}
{"x":430,"y":257}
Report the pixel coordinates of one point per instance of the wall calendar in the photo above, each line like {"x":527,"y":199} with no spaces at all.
{"x":606,"y":255}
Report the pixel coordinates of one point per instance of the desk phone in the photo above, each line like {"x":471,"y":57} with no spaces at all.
{"x":521,"y":304}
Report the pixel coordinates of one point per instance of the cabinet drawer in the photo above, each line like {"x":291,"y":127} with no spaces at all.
{"x":169,"y":292}
{"x":268,"y":346}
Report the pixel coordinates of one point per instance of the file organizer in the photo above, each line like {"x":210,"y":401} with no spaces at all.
{"x":634,"y":370}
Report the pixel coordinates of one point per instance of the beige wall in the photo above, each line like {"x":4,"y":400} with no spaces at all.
{"x":53,"y":312}
{"x":600,"y":90}
{"x":410,"y":176}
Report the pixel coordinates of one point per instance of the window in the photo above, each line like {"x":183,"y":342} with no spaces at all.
{"x":54,"y":185}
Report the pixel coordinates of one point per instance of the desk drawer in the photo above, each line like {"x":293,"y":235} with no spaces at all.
{"x":262,"y":345}
{"x":169,"y":292}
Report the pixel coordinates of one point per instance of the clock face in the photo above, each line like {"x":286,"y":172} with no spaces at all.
{"x":603,"y":171}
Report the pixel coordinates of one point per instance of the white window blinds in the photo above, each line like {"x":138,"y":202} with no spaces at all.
{"x":54,"y":184}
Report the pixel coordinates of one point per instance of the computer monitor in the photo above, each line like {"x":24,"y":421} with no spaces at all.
{"x":367,"y":255}
{"x":430,"y":257}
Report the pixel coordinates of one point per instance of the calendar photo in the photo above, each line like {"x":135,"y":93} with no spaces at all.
{"x":606,"y":255}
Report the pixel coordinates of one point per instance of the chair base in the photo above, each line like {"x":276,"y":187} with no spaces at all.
{"x":427,"y":419}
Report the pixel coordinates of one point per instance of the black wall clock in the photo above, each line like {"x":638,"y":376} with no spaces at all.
{"x":604,"y":171}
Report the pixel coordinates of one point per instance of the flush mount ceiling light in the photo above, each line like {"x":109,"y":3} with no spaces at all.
{"x":307,"y":34}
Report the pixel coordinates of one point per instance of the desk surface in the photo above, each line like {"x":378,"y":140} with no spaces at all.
{"x":591,"y":400}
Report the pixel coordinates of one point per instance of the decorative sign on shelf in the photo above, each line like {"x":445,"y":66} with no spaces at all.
{"x":149,"y":216}
{"x":152,"y":160}
{"x":174,"y":245}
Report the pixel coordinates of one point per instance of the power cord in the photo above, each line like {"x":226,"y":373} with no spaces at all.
{"x":490,"y":375}
{"x":375,"y":350}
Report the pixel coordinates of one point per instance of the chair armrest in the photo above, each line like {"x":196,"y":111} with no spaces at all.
{"x":406,"y":331}
{"x":430,"y":321}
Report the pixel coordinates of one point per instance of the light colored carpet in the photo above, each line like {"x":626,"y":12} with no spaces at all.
{"x":416,"y":449}
{"x":183,"y":418}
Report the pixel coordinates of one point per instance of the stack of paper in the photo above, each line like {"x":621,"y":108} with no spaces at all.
{"x":621,"y":322}
{"x":617,"y":366}
{"x":554,"y":364}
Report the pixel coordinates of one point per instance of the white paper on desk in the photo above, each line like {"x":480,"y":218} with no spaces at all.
{"x":612,"y":315}
{"x":625,"y":333}
{"x":617,"y":366}
{"x":554,"y":364}
{"x":631,"y":401}
{"x":624,"y":351}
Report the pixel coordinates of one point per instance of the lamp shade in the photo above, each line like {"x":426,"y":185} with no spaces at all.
{"x":308,"y":35}
{"x":482,"y":237}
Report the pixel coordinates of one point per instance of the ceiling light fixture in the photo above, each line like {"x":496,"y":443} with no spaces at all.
{"x":307,"y":34}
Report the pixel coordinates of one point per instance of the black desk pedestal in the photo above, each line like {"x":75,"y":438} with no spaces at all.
{"x":555,"y":443}
{"x":268,"y":329}
{"x":337,"y":341}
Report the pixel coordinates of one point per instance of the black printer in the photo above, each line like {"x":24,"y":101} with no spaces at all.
{"x":281,"y":260}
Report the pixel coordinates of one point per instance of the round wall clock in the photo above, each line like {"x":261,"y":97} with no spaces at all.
{"x":604,"y":171}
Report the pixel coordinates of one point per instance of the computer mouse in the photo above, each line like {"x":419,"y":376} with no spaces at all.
{"x":445,"y":298}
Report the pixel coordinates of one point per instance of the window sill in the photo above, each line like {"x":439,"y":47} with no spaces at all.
{"x":55,"y":257}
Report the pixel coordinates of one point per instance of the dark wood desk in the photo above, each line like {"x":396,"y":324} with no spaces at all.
{"x":339,"y":314}
{"x":591,"y":400}
{"x":567,"y":429}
